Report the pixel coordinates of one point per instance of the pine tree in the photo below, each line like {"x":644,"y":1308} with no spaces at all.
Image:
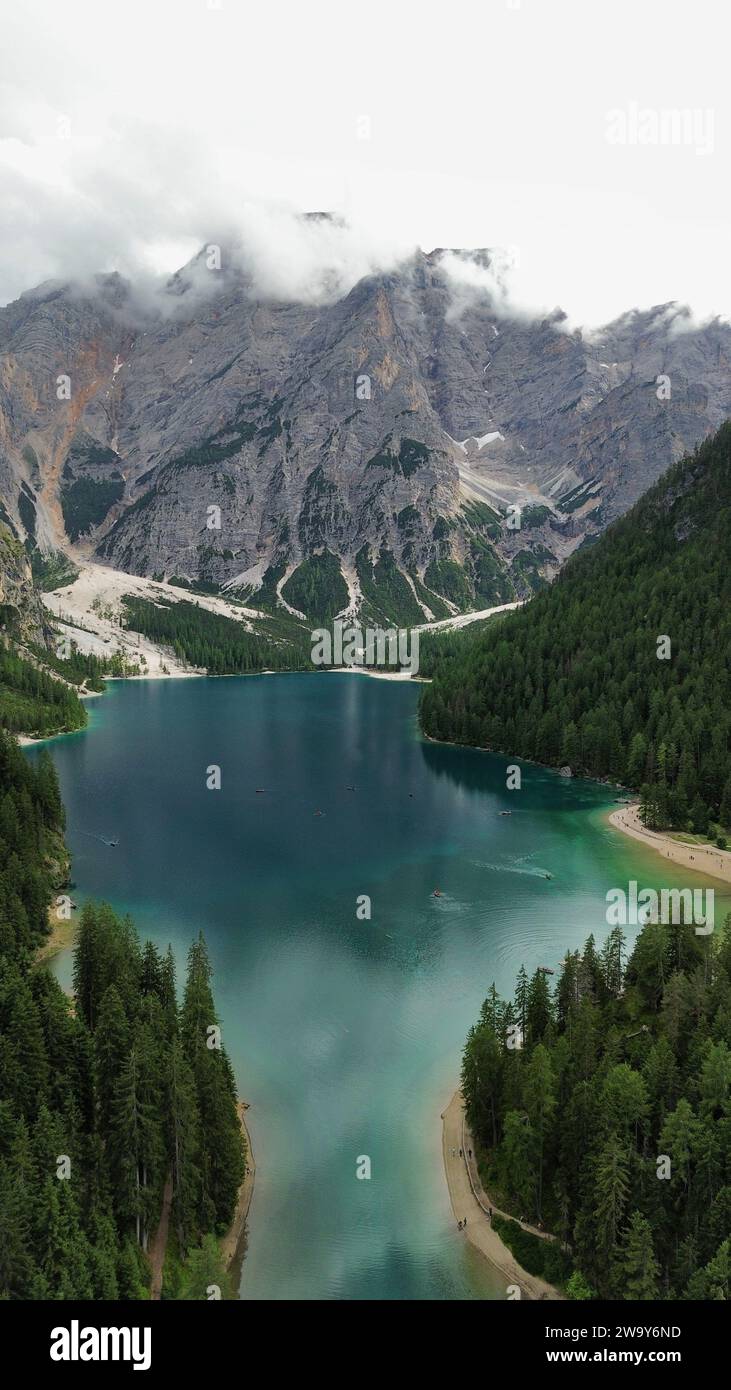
{"x":624,"y":1101}
{"x":611,"y":1185}
{"x":133,"y":1142}
{"x":636,"y":759}
{"x":151,"y":972}
{"x":612,"y":961}
{"x":183,"y":1143}
{"x":198,"y":1013}
{"x":87,"y":973}
{"x":104,"y":1254}
{"x":16,"y":1262}
{"x":112,"y":1040}
{"x":662,"y":1078}
{"x":639,"y":1268}
{"x":577,"y":1287}
{"x":23,"y":1062}
{"x":482,"y":1071}
{"x":540,"y":1103}
{"x":714,"y":1281}
{"x":677,"y":1139}
{"x":521,"y":999}
{"x":66,"y":1259}
{"x":518,"y":1162}
{"x":205,"y":1274}
{"x":49,"y":794}
{"x":567,"y":994}
{"x":539,"y":1010}
{"x":167,"y":993}
{"x":221,"y":1138}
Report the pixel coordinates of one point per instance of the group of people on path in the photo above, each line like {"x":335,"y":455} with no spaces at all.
{"x":462,"y":1224}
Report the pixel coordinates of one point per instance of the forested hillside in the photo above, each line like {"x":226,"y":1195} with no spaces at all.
{"x":38,"y":689}
{"x":215,"y":643}
{"x":603,"y":1111}
{"x":623,"y":667}
{"x":101,"y":1102}
{"x":34,"y":702}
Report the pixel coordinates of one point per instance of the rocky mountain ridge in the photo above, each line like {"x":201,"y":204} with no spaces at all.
{"x":407,"y":450}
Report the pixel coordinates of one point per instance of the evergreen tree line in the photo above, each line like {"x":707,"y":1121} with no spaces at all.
{"x":579,"y":675}
{"x":34,"y":702}
{"x":83,"y":668}
{"x":32,"y":852}
{"x":122,"y":1089}
{"x":212,"y":642}
{"x":602,"y":1110}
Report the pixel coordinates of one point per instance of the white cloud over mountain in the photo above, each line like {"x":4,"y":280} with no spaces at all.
{"x":131,"y":136}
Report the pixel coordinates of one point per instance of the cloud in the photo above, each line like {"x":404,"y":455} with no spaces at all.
{"x":490,"y":279}
{"x":312,"y":258}
{"x":130,"y":136}
{"x":140,"y":200}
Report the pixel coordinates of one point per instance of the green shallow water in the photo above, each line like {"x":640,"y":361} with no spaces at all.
{"x":345,"y":1035}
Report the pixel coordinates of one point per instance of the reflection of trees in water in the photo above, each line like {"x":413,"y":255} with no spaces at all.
{"x":475,"y":770}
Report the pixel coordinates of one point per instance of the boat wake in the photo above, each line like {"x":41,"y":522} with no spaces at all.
{"x":516,"y":867}
{"x":109,"y":843}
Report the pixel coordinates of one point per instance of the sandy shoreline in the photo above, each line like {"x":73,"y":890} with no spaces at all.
{"x":231,"y":1242}
{"x":702,"y":859}
{"x":374,"y":674}
{"x":62,"y":937}
{"x":479,"y":1231}
{"x":92,"y":609}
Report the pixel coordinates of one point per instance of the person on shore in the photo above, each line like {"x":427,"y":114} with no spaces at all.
{"x":459,"y":1225}
{"x":460,"y":1153}
{"x":470,"y":1153}
{"x":464,"y":1223}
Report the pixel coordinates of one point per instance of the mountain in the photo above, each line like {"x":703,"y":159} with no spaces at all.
{"x":623,"y":667}
{"x":21,"y":611}
{"x":363,"y":452}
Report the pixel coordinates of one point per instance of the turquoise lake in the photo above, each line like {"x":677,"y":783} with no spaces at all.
{"x":345,"y":1035}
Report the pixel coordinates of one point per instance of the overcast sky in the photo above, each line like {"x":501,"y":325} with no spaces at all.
{"x":132,"y":133}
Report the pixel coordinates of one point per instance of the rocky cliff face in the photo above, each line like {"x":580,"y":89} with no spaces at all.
{"x":404,"y":449}
{"x":21,"y":611}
